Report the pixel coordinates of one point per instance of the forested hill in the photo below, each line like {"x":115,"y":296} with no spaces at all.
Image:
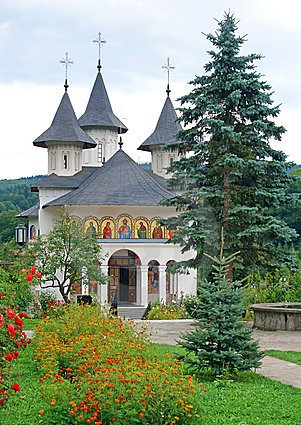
{"x":16,"y":194}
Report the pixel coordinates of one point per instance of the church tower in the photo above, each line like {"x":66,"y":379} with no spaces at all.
{"x":100,"y":122}
{"x":165,"y":134}
{"x":64,"y":139}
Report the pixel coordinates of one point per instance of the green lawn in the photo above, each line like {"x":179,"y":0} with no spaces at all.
{"x":289,"y":356}
{"x":250,"y":400}
{"x":29,"y":324}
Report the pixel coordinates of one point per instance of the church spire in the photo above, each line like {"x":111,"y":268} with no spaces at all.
{"x":67,"y":62}
{"x":168,"y":67}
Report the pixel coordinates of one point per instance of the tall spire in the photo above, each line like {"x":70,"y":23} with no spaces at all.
{"x":99,"y":41}
{"x":67,"y":62}
{"x":168,"y":67}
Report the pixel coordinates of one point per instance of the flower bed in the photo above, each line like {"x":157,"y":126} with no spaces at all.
{"x":97,"y":369}
{"x":172,"y":311}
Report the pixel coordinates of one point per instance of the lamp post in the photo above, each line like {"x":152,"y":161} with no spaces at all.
{"x":20,"y":234}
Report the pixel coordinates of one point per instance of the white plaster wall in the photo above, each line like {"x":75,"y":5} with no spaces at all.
{"x":56,"y":152}
{"x":161,"y":160}
{"x":108,"y":137}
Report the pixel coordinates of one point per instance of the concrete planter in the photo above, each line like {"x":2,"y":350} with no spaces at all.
{"x":277,"y":316}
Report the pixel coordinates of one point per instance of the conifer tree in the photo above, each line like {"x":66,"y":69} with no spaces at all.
{"x":232,"y":176}
{"x":221,"y":343}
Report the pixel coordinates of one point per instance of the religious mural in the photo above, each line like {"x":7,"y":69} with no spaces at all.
{"x":153,"y":277}
{"x":107,"y":228}
{"x":91,"y":227}
{"x":141,"y":228}
{"x":32,"y":232}
{"x":157,"y":231}
{"x":124,"y":227}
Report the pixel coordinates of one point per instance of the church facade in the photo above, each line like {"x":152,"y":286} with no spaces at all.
{"x":113,"y":197}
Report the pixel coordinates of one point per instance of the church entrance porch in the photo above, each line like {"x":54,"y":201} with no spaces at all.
{"x":123,"y":272}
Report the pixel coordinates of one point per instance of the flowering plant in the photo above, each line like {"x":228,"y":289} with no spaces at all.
{"x":172,"y":311}
{"x":12,"y":339}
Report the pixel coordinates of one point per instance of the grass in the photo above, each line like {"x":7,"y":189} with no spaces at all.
{"x":249,"y":400}
{"x":29,"y":324}
{"x":289,"y":356}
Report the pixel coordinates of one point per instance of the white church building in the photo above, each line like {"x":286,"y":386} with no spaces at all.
{"x":114,"y":197}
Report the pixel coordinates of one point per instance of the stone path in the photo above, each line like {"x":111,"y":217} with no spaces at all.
{"x":288,"y":373}
{"x":167,"y":332}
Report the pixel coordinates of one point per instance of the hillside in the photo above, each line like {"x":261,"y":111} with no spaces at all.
{"x":16,"y":194}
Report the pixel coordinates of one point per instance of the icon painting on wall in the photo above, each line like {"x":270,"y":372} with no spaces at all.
{"x":107,"y":229}
{"x":124,"y":228}
{"x":141,"y":229}
{"x":91,"y":227}
{"x":153,"y":276}
{"x":157,"y":231}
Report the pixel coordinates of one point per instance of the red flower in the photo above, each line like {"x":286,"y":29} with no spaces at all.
{"x":11,"y":330}
{"x":39,"y":275}
{"x":29,"y":277}
{"x":8,"y":357}
{"x":1,"y":318}
{"x":18,"y":321}
{"x":16,"y":387}
{"x":10,"y":313}
{"x":1,"y":295}
{"x":21,"y":314}
{"x":32,"y":270}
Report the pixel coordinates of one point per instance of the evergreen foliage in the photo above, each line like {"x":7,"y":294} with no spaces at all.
{"x":232,"y":176}
{"x":67,"y":256}
{"x":16,"y":194}
{"x":221,"y":344}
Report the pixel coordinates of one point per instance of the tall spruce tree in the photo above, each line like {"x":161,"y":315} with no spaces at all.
{"x":232,"y":176}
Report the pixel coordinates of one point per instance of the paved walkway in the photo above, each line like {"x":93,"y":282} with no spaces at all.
{"x":288,"y":373}
{"x":167,"y":332}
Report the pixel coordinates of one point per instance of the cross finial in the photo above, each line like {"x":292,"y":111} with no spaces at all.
{"x":99,"y":41}
{"x":120,"y":143}
{"x":67,"y":62}
{"x":168,"y":67}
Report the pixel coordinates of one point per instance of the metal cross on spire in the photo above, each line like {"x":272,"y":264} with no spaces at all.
{"x":168,"y":68}
{"x":99,"y":41}
{"x":67,"y":62}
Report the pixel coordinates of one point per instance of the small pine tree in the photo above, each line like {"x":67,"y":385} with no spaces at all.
{"x":221,"y":344}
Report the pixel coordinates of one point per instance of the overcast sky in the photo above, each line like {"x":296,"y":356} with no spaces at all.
{"x":140,"y":35}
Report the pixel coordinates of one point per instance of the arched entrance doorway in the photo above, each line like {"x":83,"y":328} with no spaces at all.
{"x":123,"y":271}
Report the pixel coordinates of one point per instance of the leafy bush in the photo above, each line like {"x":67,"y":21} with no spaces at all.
{"x":12,"y":338}
{"x":279,"y":286}
{"x":97,"y":369}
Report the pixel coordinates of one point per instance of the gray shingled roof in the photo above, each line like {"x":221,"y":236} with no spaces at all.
{"x":65,"y":128}
{"x":166,"y":129}
{"x":64,"y":182}
{"x":120,"y":181}
{"x":31,"y":212}
{"x":99,"y":112}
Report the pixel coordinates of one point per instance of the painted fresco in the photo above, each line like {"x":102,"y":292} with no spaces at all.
{"x":32,"y":232}
{"x":141,"y":228}
{"x":124,"y":227}
{"x":157,"y":231}
{"x":91,"y":227}
{"x":153,"y":277}
{"x":107,"y":228}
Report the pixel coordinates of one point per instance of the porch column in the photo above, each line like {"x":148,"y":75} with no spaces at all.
{"x":143,"y":284}
{"x":85,"y":286}
{"x":162,"y":283}
{"x":102,"y":289}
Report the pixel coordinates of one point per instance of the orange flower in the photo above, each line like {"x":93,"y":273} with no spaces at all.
{"x":141,"y":415}
{"x":53,"y":401}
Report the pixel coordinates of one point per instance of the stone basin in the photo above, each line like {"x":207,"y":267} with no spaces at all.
{"x":277,"y":316}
